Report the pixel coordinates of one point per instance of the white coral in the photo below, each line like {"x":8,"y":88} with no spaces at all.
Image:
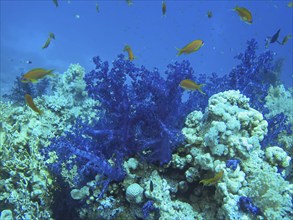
{"x":277,"y":156}
{"x":134,"y":193}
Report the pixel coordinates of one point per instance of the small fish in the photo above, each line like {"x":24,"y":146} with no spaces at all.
{"x":164,"y":8}
{"x":151,"y":186}
{"x":128,"y":49}
{"x":191,"y":85}
{"x":52,"y":35}
{"x":210,"y":14}
{"x":77,"y":16}
{"x":213,"y":180}
{"x":129,"y":2}
{"x":275,"y":37}
{"x":29,"y":101}
{"x":245,"y":14}
{"x":286,"y":38}
{"x":290,"y":4}
{"x":267,"y":40}
{"x":97,"y":7}
{"x":28,"y":62}
{"x":47,"y":43}
{"x":191,"y":47}
{"x":55,"y":3}
{"x":35,"y":74}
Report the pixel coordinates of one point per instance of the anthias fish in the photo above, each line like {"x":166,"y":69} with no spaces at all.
{"x":191,"y":47}
{"x":213,"y":180}
{"x":35,"y":74}
{"x":191,"y":85}
{"x":210,"y":14}
{"x":52,"y":35}
{"x":30,"y":102}
{"x":48,"y":41}
{"x":164,"y":8}
{"x":55,"y":3}
{"x":128,"y":49}
{"x":244,"y":14}
{"x":286,"y":38}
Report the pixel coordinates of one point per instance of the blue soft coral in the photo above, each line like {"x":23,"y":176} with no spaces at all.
{"x":19,"y":89}
{"x":246,"y":205}
{"x":143,"y":111}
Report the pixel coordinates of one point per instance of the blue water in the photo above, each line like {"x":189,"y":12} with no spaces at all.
{"x":131,"y":127}
{"x":25,"y":26}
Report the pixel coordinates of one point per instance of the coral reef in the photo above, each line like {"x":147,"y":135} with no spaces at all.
{"x":112,"y":144}
{"x":224,"y":139}
{"x":230,"y":128}
{"x":26,"y":185}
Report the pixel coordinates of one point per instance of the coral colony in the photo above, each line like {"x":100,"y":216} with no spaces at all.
{"x":124,"y":142}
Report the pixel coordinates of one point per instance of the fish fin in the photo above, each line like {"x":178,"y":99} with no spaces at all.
{"x":179,"y":51}
{"x":235,"y":8}
{"x":34,"y":80}
{"x":24,"y":80}
{"x":50,"y":73}
{"x":200,"y":90}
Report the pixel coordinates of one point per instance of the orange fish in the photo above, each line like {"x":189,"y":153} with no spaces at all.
{"x":55,"y":3}
{"x":35,"y":74}
{"x":47,"y":43}
{"x":245,"y":14}
{"x":128,"y":49}
{"x":286,"y":38}
{"x":210,"y":14}
{"x":164,"y":8}
{"x":191,"y":47}
{"x":191,"y":85}
{"x":29,"y":101}
{"x":52,"y":35}
{"x":129,"y":2}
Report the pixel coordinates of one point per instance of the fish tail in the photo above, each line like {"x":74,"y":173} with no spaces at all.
{"x":179,"y":51}
{"x":50,"y":73}
{"x":24,"y":80}
{"x":200,"y":90}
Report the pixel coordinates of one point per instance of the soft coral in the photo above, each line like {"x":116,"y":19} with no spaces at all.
{"x":143,"y":111}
